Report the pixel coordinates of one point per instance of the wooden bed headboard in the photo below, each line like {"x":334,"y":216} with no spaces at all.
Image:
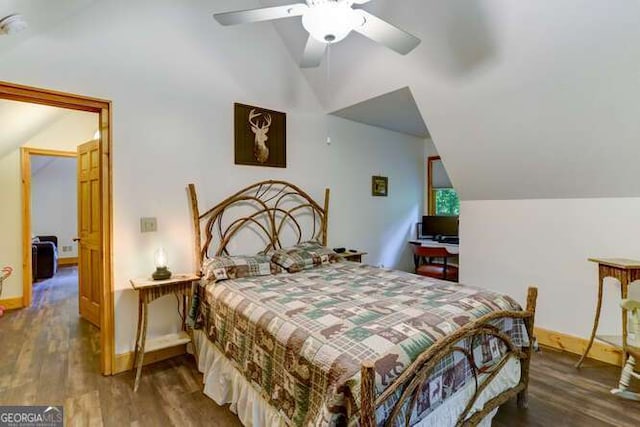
{"x":271,"y":208}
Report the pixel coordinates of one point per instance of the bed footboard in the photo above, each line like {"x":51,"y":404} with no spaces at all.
{"x":408,"y":384}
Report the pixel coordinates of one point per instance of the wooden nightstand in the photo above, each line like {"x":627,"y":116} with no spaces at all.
{"x":148,"y":291}
{"x":352,"y":256}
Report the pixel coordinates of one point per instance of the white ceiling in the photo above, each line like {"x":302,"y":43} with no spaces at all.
{"x":39,"y":14}
{"x":396,"y":111}
{"x":21,"y":121}
{"x":523,"y":99}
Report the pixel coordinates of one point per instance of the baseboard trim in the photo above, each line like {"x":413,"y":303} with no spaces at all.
{"x":64,"y":262}
{"x":124,"y":361}
{"x":12,"y":303}
{"x":571,"y":344}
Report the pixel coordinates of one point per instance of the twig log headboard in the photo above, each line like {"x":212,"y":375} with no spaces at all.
{"x":270,"y":208}
{"x":267,"y":208}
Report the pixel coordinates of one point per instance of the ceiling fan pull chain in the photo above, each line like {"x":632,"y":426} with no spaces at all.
{"x":328,"y":91}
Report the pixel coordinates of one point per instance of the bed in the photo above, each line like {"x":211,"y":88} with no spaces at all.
{"x":344,"y":343}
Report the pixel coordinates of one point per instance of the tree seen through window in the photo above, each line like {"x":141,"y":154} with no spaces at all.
{"x":447,"y":202}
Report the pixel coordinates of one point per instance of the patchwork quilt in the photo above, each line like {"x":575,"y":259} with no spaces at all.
{"x":300,"y":338}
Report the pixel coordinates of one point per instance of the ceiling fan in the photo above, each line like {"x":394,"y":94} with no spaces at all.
{"x":328,"y":22}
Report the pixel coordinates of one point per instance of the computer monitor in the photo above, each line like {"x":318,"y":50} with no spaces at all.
{"x":439,"y":226}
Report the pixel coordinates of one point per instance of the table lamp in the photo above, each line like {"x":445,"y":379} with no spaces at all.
{"x":161,"y":273}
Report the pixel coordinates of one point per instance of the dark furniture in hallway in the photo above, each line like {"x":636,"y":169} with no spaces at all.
{"x":44,"y":253}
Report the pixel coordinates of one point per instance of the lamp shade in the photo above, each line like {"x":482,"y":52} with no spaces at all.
{"x":160,"y":258}
{"x":161,"y":261}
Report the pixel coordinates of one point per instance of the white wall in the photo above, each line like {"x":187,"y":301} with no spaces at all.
{"x":54,"y":208}
{"x":66,"y":133}
{"x":380,"y":226}
{"x":173,"y":75}
{"x":508,"y":245}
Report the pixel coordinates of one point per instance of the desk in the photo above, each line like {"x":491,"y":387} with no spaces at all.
{"x":625,"y":271}
{"x":451,"y":248}
{"x":150,"y":290}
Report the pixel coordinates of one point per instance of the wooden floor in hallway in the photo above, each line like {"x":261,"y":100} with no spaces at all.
{"x":48,"y":356}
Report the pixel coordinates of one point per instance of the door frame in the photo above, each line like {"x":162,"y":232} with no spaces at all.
{"x":25,"y":172}
{"x":103,"y":108}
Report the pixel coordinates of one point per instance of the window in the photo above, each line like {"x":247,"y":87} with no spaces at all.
{"x":446,"y":202}
{"x":443,"y":199}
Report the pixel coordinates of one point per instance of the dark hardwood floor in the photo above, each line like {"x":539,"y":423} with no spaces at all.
{"x":49,"y":356}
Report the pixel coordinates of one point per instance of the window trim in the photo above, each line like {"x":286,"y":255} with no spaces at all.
{"x":430,"y":193}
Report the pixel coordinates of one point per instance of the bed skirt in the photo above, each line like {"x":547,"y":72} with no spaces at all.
{"x":225,"y":385}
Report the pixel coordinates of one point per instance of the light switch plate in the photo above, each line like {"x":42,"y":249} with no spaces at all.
{"x":148,"y":225}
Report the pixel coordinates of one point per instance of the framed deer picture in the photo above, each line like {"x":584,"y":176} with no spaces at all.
{"x":260,"y":136}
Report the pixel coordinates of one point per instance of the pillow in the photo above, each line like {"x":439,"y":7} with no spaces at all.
{"x":236,"y":267}
{"x":304,"y":256}
{"x":304,"y":245}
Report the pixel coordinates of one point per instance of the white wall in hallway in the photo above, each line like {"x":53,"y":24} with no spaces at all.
{"x":54,"y":208}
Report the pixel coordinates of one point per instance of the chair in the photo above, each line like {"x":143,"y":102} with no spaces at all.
{"x":629,"y":372}
{"x":427,"y":266}
{"x":44,"y":250}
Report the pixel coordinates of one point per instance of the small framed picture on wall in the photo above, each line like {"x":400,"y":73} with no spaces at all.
{"x":379,"y":186}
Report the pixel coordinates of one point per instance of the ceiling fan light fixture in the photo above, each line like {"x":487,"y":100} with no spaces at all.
{"x":330,"y":22}
{"x":327,"y":22}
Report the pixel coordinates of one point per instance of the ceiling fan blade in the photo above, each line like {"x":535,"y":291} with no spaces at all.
{"x":384,"y":33}
{"x":360,"y":1}
{"x":313,"y":53}
{"x":262,"y":14}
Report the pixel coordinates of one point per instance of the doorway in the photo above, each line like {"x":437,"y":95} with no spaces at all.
{"x":53,"y":211}
{"x":102,"y":156}
{"x":60,"y":188}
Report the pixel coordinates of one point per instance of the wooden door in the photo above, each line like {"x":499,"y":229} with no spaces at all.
{"x":89,"y":232}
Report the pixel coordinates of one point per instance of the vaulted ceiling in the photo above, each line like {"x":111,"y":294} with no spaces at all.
{"x":20,"y":121}
{"x":396,"y":111}
{"x":522,"y":99}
